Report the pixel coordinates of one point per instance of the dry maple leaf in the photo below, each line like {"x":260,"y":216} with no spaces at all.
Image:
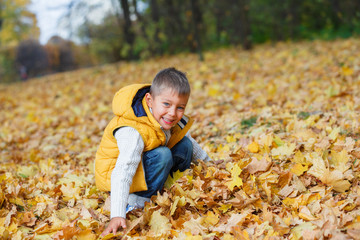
{"x":159,"y":224}
{"x":235,"y":218}
{"x":333,"y":178}
{"x":258,"y":165}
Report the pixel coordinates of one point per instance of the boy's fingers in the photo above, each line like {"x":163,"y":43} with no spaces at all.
{"x":123,"y":224}
{"x":105,"y":232}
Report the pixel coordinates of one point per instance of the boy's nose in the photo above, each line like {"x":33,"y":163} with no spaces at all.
{"x":172,"y":112}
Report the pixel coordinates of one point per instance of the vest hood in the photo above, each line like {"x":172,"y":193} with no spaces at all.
{"x":127,"y":101}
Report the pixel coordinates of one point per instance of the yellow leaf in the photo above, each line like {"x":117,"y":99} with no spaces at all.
{"x":299,"y":158}
{"x":28,"y":171}
{"x":334,"y":133}
{"x":299,"y":169}
{"x":214,"y":90}
{"x":79,"y":181}
{"x":230,"y":139}
{"x":111,"y":236}
{"x":298,"y":231}
{"x":235,"y":219}
{"x":225,"y":207}
{"x":159,"y":224}
{"x":235,"y":179}
{"x":171,"y":180}
{"x":211,"y":219}
{"x":194,"y":226}
{"x":177,"y":202}
{"x":223,"y":148}
{"x":86,"y":235}
{"x":198,"y":85}
{"x":305,"y":214}
{"x":70,"y":192}
{"x":253,"y":147}
{"x":210,"y":172}
{"x":347,"y":71}
{"x":236,"y":96}
{"x":340,"y":160}
{"x":285,"y":150}
{"x":331,"y":178}
{"x":269,"y":177}
{"x":278,"y":141}
{"x":194,"y":237}
{"x":230,"y":237}
{"x":90,"y":203}
{"x":163,"y":199}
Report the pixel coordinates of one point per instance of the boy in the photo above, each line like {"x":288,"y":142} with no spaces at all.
{"x":146,"y":141}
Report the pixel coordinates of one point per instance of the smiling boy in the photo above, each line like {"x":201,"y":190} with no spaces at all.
{"x":146,"y":141}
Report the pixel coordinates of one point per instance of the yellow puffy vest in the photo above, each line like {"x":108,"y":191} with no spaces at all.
{"x":130,"y":109}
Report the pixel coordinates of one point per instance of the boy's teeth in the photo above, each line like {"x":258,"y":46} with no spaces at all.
{"x":167,"y":120}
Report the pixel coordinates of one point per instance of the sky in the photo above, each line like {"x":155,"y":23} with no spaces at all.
{"x":48,"y":14}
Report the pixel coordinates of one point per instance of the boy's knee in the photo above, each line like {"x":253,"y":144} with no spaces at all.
{"x":164,"y":157}
{"x":187,"y":144}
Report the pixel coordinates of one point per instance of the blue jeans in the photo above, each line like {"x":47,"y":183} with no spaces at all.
{"x":162,"y":161}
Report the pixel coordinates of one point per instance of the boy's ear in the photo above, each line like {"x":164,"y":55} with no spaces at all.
{"x":148,"y":99}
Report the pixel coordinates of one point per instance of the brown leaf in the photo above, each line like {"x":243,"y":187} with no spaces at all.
{"x":258,"y":165}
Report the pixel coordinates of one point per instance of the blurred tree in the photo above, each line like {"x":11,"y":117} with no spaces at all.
{"x":105,"y":40}
{"x":144,"y":28}
{"x":32,"y":58}
{"x":1,"y":15}
{"x":197,"y":27}
{"x":16,"y":22}
{"x":154,"y":21}
{"x":127,"y":30}
{"x":244,"y":24}
{"x":8,"y":71}
{"x":174,"y":26}
{"x":61,"y":57}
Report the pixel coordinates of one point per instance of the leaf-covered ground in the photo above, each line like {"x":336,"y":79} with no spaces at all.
{"x":280,"y":122}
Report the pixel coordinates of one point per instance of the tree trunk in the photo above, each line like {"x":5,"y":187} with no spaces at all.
{"x":1,"y":18}
{"x":198,"y":26}
{"x":128,"y":34}
{"x":219,"y":17}
{"x":174,"y":29}
{"x":294,"y":17}
{"x":155,"y":18}
{"x":245,"y":29}
{"x":335,"y":7}
{"x":140,"y":20}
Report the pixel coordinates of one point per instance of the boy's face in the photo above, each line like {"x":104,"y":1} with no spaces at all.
{"x":167,"y":107}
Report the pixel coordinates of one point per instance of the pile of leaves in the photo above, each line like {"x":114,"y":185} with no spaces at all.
{"x":281,"y":124}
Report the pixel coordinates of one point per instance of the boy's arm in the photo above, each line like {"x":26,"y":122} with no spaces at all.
{"x":198,"y":152}
{"x":131,"y":146}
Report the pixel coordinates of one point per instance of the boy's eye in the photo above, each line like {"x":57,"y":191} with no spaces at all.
{"x":166,"y":104}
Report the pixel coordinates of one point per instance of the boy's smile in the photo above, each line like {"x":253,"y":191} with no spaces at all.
{"x":167,"y":107}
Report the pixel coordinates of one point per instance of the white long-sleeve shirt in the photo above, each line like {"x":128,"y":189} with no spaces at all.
{"x":131,"y":146}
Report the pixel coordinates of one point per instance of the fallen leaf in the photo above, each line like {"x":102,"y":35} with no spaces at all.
{"x":159,"y":224}
{"x":258,"y":165}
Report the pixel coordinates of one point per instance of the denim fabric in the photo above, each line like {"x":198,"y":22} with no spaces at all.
{"x":162,"y":161}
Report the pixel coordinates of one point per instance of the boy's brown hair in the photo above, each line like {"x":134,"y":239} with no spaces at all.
{"x":170,"y":78}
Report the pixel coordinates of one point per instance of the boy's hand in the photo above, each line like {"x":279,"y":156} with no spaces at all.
{"x":113,"y":226}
